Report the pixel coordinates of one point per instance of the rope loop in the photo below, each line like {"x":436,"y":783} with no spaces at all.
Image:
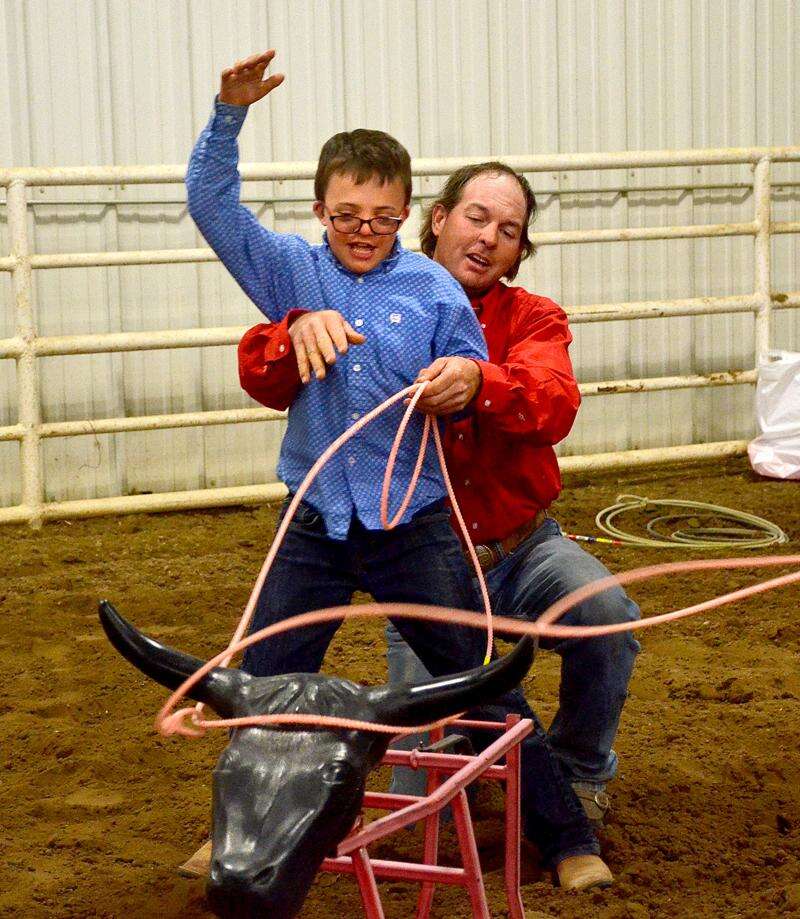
{"x":178,"y":723}
{"x":632,"y":501}
{"x":188,"y":722}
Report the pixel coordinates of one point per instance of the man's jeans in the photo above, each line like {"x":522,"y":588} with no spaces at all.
{"x":418,"y":562}
{"x":594,"y":671}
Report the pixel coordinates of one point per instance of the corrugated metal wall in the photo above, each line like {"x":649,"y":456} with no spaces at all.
{"x":107,"y":81}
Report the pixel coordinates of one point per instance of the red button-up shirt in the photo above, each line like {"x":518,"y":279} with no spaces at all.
{"x":500,"y":456}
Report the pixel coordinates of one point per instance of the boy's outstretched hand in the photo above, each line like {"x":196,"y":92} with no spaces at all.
{"x":244,"y":83}
{"x":317,"y":337}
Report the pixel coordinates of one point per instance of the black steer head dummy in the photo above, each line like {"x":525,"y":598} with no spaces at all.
{"x":284,"y":797}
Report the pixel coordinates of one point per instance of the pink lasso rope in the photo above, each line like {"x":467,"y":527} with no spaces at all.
{"x":189,"y":722}
{"x":173,"y":722}
{"x":415,"y":392}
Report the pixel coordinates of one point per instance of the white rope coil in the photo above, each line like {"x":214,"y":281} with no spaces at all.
{"x":695,"y":525}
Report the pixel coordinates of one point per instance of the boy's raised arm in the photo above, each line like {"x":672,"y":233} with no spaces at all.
{"x":251,"y":253}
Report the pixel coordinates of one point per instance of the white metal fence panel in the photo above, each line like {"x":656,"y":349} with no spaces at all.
{"x":31,"y":350}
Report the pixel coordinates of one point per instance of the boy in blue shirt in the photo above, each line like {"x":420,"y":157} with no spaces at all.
{"x":388,"y":312}
{"x":401,"y":311}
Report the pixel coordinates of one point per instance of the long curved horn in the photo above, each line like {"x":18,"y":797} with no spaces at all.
{"x":222,"y":688}
{"x":445,"y":696}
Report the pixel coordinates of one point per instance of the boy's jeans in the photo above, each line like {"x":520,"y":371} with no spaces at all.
{"x":418,"y":562}
{"x":594,"y":671}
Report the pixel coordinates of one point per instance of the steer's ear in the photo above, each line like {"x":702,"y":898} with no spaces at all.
{"x":409,"y":704}
{"x":222,"y":689}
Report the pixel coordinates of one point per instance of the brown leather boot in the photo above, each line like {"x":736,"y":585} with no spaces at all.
{"x":199,"y":864}
{"x":582,"y":872}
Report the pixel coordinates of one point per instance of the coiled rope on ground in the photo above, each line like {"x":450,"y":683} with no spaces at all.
{"x":697,"y":525}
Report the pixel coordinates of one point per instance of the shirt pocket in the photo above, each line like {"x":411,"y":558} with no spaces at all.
{"x":404,"y":332}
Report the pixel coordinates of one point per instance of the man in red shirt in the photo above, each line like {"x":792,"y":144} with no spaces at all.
{"x":505,"y":416}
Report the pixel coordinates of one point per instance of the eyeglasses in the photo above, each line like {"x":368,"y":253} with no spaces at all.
{"x":380,"y":226}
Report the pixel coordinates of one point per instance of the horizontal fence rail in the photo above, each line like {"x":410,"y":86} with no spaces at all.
{"x":27,"y":347}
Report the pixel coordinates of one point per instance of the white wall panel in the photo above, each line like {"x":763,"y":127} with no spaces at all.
{"x":112,"y":81}
{"x":591,"y":99}
{"x":724,"y":108}
{"x":778,"y":80}
{"x":523,"y":79}
{"x":658,"y":84}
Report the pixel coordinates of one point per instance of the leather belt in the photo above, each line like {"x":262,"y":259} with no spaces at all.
{"x":491,"y":554}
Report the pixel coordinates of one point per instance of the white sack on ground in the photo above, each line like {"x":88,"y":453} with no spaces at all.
{"x":776,"y":451}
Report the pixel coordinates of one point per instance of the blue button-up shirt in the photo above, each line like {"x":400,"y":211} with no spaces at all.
{"x":409,"y":308}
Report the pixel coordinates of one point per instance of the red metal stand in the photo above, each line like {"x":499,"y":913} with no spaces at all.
{"x":353,"y":858}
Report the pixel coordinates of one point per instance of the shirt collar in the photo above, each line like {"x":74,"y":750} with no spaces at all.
{"x":386,"y":265}
{"x":489,"y":298}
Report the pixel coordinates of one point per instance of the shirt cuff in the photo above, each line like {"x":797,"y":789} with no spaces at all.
{"x":469,"y":408}
{"x":490,"y":396}
{"x":279,"y":344}
{"x":228,"y":119}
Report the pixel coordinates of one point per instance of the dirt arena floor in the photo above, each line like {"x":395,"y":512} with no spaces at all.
{"x":98,"y":810}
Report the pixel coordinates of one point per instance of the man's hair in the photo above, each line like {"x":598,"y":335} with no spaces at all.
{"x":363,"y":154}
{"x":451,"y":195}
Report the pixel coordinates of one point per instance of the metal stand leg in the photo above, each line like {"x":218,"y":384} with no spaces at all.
{"x":367,"y":887}
{"x":512,"y":867}
{"x":431,"y":850}
{"x":469,"y":855}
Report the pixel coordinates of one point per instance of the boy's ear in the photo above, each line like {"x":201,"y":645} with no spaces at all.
{"x":438,"y":217}
{"x":319,"y":210}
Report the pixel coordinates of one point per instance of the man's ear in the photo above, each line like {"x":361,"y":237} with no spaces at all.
{"x":319,"y":210}
{"x":438,"y":217}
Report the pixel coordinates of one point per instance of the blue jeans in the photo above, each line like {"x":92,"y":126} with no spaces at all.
{"x":418,"y":562}
{"x":594,"y":671}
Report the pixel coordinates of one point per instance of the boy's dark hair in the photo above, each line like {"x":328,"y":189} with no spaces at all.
{"x":451,"y":195}
{"x":363,"y":154}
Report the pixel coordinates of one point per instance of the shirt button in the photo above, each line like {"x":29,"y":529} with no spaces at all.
{"x":483,"y":325}
{"x":282,"y":348}
{"x":521,"y":416}
{"x":487,"y":402}
{"x":466,"y":482}
{"x":355,"y":416}
{"x":356,"y":367}
{"x":228,"y":119}
{"x":474,"y":526}
{"x":351,"y":460}
{"x":359,"y":280}
{"x":460,"y":436}
{"x":358,"y":323}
